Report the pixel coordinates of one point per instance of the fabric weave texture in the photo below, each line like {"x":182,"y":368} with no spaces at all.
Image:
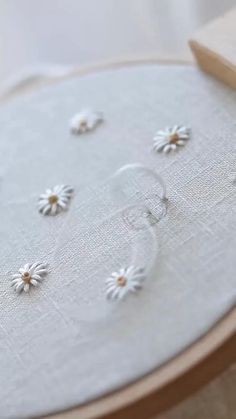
{"x":63,"y":343}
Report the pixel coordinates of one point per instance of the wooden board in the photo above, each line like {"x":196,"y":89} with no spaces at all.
{"x":214,"y":47}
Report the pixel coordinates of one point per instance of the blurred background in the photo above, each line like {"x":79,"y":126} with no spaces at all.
{"x":54,"y":36}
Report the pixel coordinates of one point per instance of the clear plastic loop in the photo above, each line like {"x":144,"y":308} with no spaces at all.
{"x":143,"y":208}
{"x":141,"y":217}
{"x":109,"y":234}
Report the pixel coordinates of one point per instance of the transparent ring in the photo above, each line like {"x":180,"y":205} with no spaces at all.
{"x":153,"y":206}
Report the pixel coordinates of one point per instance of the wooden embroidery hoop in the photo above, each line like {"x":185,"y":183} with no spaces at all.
{"x":172,"y":382}
{"x":182,"y":375}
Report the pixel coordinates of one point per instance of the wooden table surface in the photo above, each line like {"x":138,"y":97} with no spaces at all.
{"x":215,"y":401}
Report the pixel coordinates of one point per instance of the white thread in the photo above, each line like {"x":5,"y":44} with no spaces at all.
{"x":123,"y":282}
{"x":170,"y":138}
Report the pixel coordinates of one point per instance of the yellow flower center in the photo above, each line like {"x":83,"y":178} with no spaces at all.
{"x":52,"y":199}
{"x":83,"y":124}
{"x":26,"y":277}
{"x":121,"y":281}
{"x":174,"y":138}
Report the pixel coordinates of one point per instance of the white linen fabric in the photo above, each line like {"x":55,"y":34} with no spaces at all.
{"x":63,"y":344}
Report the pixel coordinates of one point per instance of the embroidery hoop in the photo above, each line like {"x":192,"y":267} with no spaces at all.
{"x":188,"y":370}
{"x":194,"y":366}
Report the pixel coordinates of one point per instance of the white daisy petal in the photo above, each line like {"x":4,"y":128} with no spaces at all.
{"x":16,"y":276}
{"x":180,"y":142}
{"x":46,"y":209}
{"x":129,"y":270}
{"x":65,"y":198}
{"x":26,"y":267}
{"x":43,"y":196}
{"x":34,"y":282}
{"x":36,"y":277}
{"x":138,"y":277}
{"x":43,"y":200}
{"x":42,"y":272}
{"x":26,"y":287}
{"x":167,"y":148}
{"x":58,"y":188}
{"x":110,"y":292}
{"x":42,"y":205}
{"x":40,"y":267}
{"x":122,"y":271}
{"x":136,"y":285}
{"x":90,"y":125}
{"x":15,"y":281}
{"x":162,"y":133}
{"x":54,"y":209}
{"x":34,"y":267}
{"x":174,"y":129}
{"x":67,"y":189}
{"x":120,"y":294}
{"x":62,"y":204}
{"x":19,"y":287}
{"x":184,"y":130}
{"x":111,"y":287}
{"x":138,"y":272}
{"x":110,"y":281}
{"x":116,"y":293}
{"x":160,"y":147}
{"x":159,"y":141}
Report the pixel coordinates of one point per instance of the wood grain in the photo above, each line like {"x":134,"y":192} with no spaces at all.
{"x":214,"y":47}
{"x":171,"y":383}
{"x":215,"y":401}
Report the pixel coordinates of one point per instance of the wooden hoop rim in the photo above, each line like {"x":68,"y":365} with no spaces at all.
{"x":172,"y":382}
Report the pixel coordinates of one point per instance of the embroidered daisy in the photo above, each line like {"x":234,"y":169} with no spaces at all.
{"x":28,"y":275}
{"x":119,"y":284}
{"x":55,"y":200}
{"x":84,"y":121}
{"x":171,"y":138}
